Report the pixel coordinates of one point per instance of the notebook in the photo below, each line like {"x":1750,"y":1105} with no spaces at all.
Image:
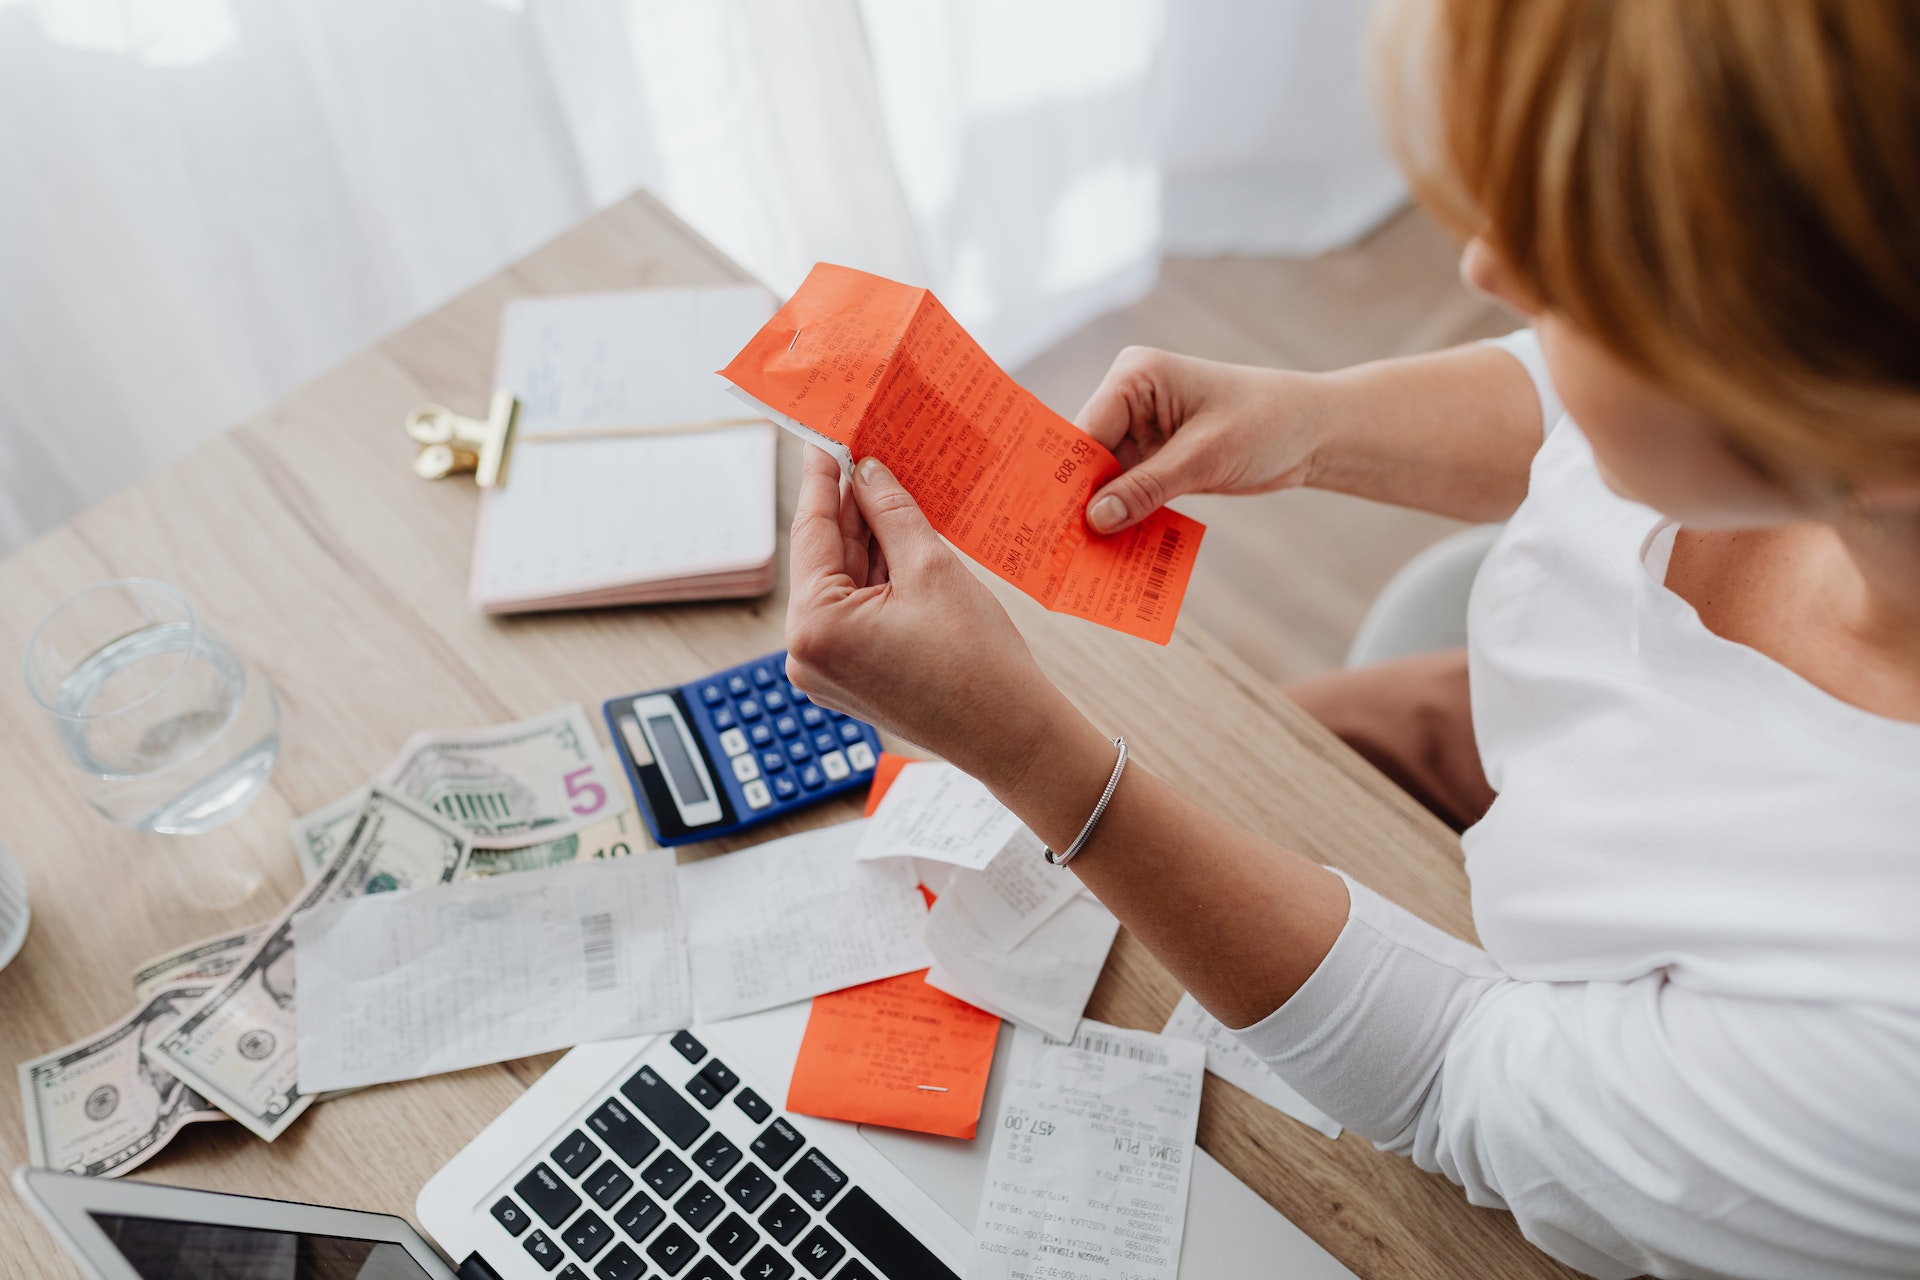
{"x":605,"y":502}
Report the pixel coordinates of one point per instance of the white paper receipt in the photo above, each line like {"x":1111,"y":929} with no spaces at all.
{"x":1091,"y":1158}
{"x":398,"y":985}
{"x":934,"y":811}
{"x":795,"y":918}
{"x":1241,"y":1067}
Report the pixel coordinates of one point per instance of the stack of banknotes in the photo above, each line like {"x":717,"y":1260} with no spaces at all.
{"x":213,"y":1031}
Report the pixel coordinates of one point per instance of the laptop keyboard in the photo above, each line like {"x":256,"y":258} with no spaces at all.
{"x":652,"y":1184}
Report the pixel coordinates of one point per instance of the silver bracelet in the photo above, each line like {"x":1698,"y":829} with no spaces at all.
{"x":1086,"y":832}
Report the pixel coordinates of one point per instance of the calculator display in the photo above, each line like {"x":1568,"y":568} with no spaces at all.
{"x":687,"y":781}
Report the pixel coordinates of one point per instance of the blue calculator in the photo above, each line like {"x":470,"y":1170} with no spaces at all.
{"x":740,"y":747}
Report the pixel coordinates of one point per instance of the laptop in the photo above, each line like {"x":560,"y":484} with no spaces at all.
{"x":658,"y":1156}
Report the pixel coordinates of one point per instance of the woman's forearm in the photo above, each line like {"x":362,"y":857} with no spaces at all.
{"x":1453,"y":432}
{"x":1240,"y":921}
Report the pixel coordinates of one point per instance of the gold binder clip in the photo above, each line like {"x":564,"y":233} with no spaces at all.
{"x":451,"y":443}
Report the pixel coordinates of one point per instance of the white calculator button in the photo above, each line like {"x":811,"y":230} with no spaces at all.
{"x":860,"y":756}
{"x":745,"y":769}
{"x":734,"y":743}
{"x":834,"y":765}
{"x":757,"y":795}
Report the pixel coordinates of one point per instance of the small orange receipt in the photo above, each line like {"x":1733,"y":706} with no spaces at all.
{"x":867,"y":366}
{"x":895,"y":1052}
{"x":885,"y":770}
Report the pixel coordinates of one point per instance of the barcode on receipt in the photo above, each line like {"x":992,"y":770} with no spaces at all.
{"x":1094,"y":1042}
{"x":602,"y":954}
{"x":1157,"y":574}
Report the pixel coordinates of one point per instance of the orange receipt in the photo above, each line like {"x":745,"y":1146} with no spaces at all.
{"x":885,"y":770}
{"x":865,"y":366}
{"x":895,"y":1052}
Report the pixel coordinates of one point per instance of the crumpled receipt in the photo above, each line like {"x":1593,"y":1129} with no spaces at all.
{"x":1092,"y":1154}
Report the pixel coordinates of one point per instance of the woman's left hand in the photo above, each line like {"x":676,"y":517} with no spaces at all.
{"x":885,"y":623}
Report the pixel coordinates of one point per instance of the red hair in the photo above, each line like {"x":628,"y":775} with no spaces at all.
{"x":1723,"y":193}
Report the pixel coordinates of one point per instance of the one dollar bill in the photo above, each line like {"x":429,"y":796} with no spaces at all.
{"x":238,"y":1045}
{"x":510,"y":785}
{"x":97,"y":1106}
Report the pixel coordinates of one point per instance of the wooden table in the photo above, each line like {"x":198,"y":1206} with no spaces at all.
{"x":313,"y":550}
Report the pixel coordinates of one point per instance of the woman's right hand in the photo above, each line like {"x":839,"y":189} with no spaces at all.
{"x":1180,"y":424}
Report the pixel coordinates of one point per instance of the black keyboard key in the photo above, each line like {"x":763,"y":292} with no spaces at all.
{"x":716,"y":1155}
{"x":708,"y":1269}
{"x":666,"y":1106}
{"x":667,"y":1174}
{"x":575,"y":1154}
{"x":621,"y":1263}
{"x":855,"y":1270}
{"x":783,"y":1219}
{"x":768,"y":1265}
{"x":621,"y":1130}
{"x":777,"y":1143}
{"x":733,"y":1238}
{"x":690,"y":1049}
{"x":750,"y":1187}
{"x":890,"y":1247}
{"x":513,"y":1217}
{"x":700,"y":1206}
{"x":704,"y":1093}
{"x":572,"y":1272}
{"x":608,"y":1184}
{"x":819,"y":1251}
{"x":547,"y":1195}
{"x":720,"y":1076}
{"x":639,"y":1216}
{"x":588,"y":1235}
{"x":673,"y":1249}
{"x":815,"y":1179}
{"x":753,"y":1104}
{"x":542,"y":1250}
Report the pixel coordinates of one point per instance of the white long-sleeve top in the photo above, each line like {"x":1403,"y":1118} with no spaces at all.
{"x":1691,"y":1043}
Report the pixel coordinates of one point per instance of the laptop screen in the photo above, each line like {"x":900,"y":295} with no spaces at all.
{"x":167,"y":1249}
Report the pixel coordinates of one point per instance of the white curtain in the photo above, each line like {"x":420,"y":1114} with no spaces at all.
{"x":205,"y":202}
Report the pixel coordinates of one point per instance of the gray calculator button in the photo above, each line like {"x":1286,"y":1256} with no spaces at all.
{"x":860,"y":756}
{"x":834,"y":765}
{"x":756,"y":791}
{"x":745,"y":768}
{"x":734,"y":743}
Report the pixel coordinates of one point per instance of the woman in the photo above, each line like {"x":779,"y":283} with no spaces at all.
{"x":1691,"y":1045}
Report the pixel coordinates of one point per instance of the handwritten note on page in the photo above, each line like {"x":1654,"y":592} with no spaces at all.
{"x":398,"y":985}
{"x":1241,"y":1067}
{"x":870,"y":367}
{"x":1092,"y":1155}
{"x":897,"y":1053}
{"x":796,"y":917}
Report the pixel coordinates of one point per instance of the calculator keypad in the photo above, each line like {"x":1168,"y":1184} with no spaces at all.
{"x":781,"y":749}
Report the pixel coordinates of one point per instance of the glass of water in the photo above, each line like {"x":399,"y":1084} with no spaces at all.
{"x":170,"y":729}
